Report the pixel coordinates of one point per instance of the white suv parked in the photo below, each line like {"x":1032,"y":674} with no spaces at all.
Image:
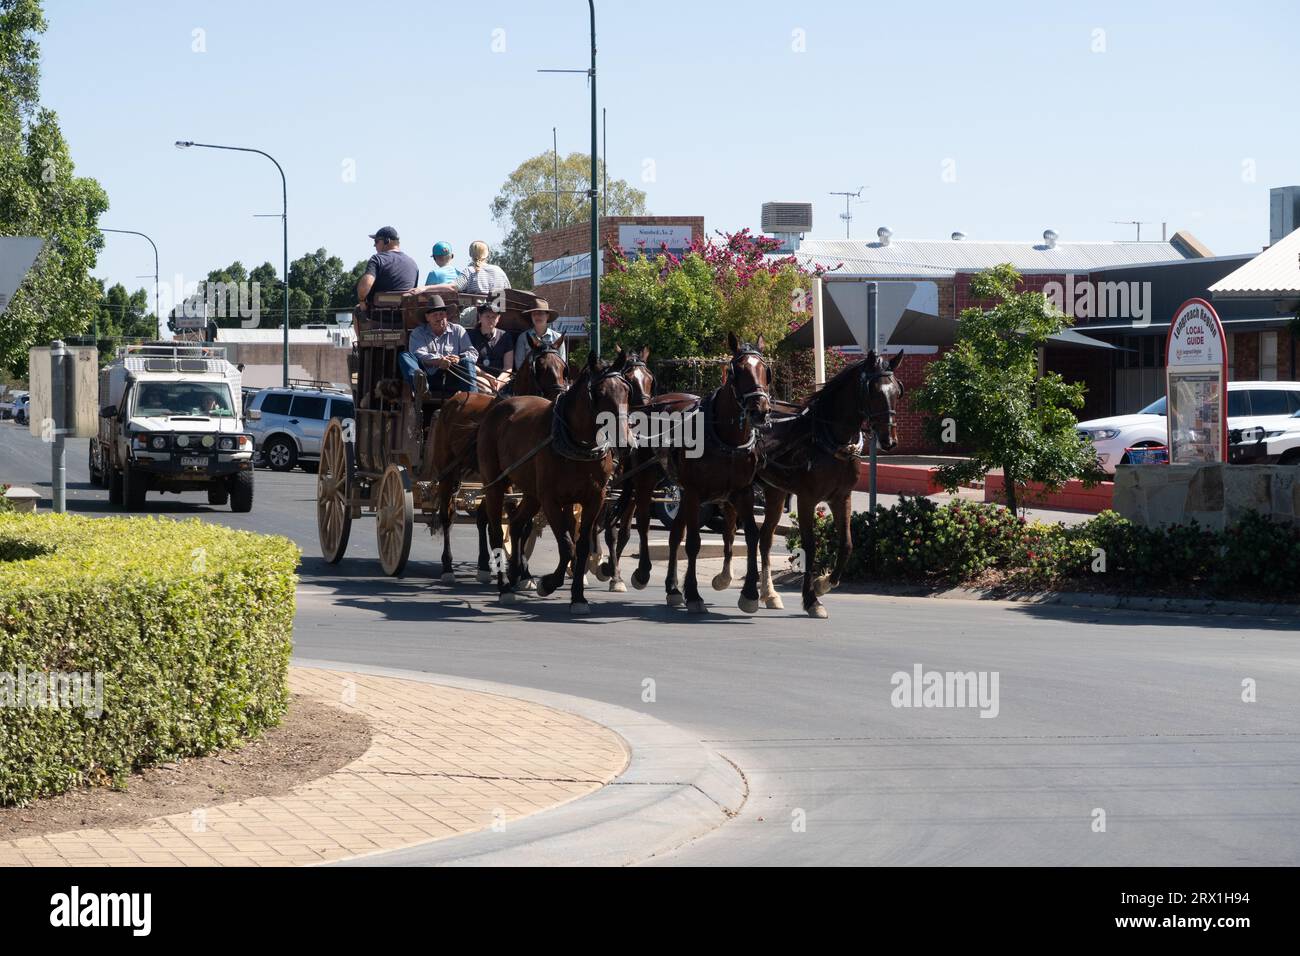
{"x":1269,"y":405}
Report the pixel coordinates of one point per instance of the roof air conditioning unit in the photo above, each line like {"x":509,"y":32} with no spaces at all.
{"x":1283,"y":212}
{"x":787,"y":217}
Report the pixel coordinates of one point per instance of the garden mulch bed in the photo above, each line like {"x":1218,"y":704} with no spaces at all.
{"x":313,"y":740}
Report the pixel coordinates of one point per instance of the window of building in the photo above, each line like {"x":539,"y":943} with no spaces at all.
{"x":1231,"y":345}
{"x":1268,"y":356}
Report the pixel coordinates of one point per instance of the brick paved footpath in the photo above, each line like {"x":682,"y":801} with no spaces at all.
{"x":442,"y":762}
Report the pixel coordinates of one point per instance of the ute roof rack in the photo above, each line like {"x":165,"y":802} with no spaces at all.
{"x":170,"y":350}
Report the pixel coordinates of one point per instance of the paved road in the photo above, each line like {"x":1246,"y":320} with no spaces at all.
{"x":1137,"y":715}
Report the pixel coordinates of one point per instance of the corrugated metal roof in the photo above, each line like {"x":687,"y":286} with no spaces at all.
{"x":930,"y":258}
{"x":1275,"y":271}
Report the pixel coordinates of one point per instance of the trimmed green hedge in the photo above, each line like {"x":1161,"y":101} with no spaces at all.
{"x":189,"y":624}
{"x":921,"y":541}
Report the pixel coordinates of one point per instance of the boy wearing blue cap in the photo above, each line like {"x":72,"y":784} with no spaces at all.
{"x":445,"y":273}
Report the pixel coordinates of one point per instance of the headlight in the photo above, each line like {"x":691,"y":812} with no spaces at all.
{"x":1103,"y":434}
{"x":159,"y":442}
{"x":227,"y":444}
{"x":208,"y":441}
{"x":183,"y":441}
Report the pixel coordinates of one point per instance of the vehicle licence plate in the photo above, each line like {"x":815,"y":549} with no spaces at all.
{"x":194,"y":462}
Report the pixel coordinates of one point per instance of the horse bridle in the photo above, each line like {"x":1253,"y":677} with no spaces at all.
{"x":632,"y":362}
{"x":535,"y":365}
{"x":733,"y":373}
{"x":865,"y":379}
{"x":565,"y":443}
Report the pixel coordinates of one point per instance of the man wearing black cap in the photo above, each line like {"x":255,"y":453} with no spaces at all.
{"x":389,"y":269}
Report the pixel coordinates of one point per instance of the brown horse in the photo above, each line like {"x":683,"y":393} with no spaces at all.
{"x":555,"y":455}
{"x":813,"y":454}
{"x":454,"y":432}
{"x":632,"y":366}
{"x":723,"y":471}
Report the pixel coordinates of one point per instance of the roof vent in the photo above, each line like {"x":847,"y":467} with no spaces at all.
{"x":883,"y":235}
{"x":958,"y":236}
{"x":1049,"y":238}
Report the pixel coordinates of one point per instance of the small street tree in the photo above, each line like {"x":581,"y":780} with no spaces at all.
{"x":986,"y":394}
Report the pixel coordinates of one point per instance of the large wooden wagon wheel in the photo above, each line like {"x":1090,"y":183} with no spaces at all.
{"x":395,"y":519}
{"x":334,"y":487}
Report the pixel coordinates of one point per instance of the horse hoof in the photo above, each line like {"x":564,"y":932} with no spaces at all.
{"x":484,"y":577}
{"x":601,"y":571}
{"x":448,"y":577}
{"x":676,"y":600}
{"x":543,"y":590}
{"x":695,"y":607}
{"x":821,"y":585}
{"x":618,"y":587}
{"x":773,"y":601}
{"x":639,"y":580}
{"x":509,"y":597}
{"x":817,"y":611}
{"x":721,"y":581}
{"x":579,"y":608}
{"x":748,"y":605}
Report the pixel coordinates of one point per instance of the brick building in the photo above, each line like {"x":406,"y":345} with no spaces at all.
{"x":925,"y":285}
{"x":562,"y":257}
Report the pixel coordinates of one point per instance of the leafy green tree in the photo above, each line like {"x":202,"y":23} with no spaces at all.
{"x":317,"y":276}
{"x":41,"y":196}
{"x":122,"y":315}
{"x":527,"y":205}
{"x":1004,"y":412}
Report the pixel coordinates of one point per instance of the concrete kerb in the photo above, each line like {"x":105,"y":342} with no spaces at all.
{"x":674,"y":790}
{"x":1088,"y":599}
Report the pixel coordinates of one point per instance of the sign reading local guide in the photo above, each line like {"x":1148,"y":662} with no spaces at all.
{"x":1196,"y":363}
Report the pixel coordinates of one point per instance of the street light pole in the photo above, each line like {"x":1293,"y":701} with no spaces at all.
{"x":284,"y":216}
{"x":157,"y":307}
{"x":593,"y":331}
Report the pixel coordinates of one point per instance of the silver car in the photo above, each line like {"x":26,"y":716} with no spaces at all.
{"x":290,"y":423}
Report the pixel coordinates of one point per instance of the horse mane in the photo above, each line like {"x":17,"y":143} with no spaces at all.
{"x":840,"y":377}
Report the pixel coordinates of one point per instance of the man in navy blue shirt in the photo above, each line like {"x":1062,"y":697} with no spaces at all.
{"x":389,"y":269}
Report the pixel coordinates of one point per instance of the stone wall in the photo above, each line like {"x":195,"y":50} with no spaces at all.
{"x":1214,"y":496}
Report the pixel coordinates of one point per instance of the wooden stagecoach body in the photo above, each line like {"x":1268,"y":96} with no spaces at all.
{"x":378,"y":463}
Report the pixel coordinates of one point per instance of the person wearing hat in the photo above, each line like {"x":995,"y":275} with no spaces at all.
{"x":541,"y":315}
{"x":480,"y":277}
{"x":495,"y":346}
{"x":441,"y":349}
{"x":444,"y":273}
{"x":389,"y":269}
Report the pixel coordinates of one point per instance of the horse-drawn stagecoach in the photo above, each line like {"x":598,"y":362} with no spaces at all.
{"x":412,"y":457}
{"x":380,"y":462}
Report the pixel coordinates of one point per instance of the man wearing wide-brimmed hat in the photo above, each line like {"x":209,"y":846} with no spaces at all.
{"x":443,"y":351}
{"x":541,"y":315}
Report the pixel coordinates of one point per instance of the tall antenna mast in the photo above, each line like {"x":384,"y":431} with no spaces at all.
{"x":1132,"y":222}
{"x":847,"y":214}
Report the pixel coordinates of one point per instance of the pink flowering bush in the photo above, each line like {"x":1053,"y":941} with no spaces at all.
{"x":685,"y":305}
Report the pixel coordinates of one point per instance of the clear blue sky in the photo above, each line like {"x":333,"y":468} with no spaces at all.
{"x":1042,"y":130}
